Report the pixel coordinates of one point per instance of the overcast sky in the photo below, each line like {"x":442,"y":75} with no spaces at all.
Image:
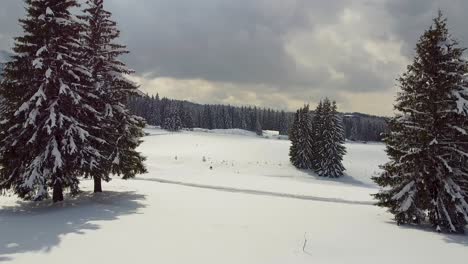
{"x":272,"y":53}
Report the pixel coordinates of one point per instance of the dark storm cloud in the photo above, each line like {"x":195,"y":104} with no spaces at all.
{"x":218,"y":40}
{"x":244,"y":41}
{"x":412,"y":17}
{"x":291,"y":49}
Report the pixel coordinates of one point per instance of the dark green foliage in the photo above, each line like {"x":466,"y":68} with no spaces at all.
{"x":317,"y":132}
{"x":172,"y":121}
{"x":48,"y":139}
{"x":300,"y":135}
{"x":258,"y":128}
{"x":425,"y":180}
{"x":328,"y":140}
{"x":119,"y":127}
{"x":154,"y":110}
{"x":318,"y":143}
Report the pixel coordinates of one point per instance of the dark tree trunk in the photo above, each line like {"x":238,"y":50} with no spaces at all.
{"x":75,"y":189}
{"x":58,"y":192}
{"x":97,"y":184}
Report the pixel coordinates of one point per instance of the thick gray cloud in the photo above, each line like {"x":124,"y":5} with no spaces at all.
{"x":218,"y":40}
{"x":278,"y":53}
{"x":10,"y":11}
{"x":412,"y":17}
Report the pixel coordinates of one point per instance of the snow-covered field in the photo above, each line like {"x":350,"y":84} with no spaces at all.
{"x":223,"y":197}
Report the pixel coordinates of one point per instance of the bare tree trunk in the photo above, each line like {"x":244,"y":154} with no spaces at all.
{"x":58,"y":192}
{"x":97,"y":184}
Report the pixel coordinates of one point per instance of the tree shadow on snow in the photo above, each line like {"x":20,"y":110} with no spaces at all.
{"x":457,"y":239}
{"x":33,"y":227}
{"x":460,"y":239}
{"x":345,"y":179}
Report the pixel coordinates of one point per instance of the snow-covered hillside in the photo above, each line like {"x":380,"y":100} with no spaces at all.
{"x":225,"y":197}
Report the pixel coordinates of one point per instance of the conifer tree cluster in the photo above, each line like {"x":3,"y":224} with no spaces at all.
{"x":426,"y":179}
{"x":64,"y":114}
{"x":173,"y":121}
{"x":317,"y":143}
{"x":154,"y":109}
{"x":329,"y":139}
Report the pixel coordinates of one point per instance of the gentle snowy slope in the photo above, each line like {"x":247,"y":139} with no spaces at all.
{"x":248,"y":162}
{"x":207,"y":216}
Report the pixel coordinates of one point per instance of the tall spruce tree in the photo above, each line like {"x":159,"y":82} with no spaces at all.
{"x":329,"y":141}
{"x":258,"y":127}
{"x":172,"y":122}
{"x":300,"y":152}
{"x":121,"y":129}
{"x":425,"y":179}
{"x":49,"y":116}
{"x":317,"y":131}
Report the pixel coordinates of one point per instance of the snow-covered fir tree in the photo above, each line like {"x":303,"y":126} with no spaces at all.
{"x":172,"y":122}
{"x":121,"y":129}
{"x":300,"y":134}
{"x":316,"y":138}
{"x":258,"y":127}
{"x":329,"y":139}
{"x":283,"y":123}
{"x":425,"y":180}
{"x":185,"y":117}
{"x":49,"y":119}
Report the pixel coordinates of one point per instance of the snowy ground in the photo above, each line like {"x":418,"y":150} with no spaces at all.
{"x":252,"y":206}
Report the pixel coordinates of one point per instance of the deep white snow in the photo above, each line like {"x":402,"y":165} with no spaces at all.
{"x":225,"y":197}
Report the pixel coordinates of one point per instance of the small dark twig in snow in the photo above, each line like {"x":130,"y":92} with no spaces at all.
{"x":305,"y":244}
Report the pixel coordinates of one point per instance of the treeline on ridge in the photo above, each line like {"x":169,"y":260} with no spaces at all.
{"x":176,"y":114}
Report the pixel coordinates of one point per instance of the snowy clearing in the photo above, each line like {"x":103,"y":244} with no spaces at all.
{"x":251,"y":206}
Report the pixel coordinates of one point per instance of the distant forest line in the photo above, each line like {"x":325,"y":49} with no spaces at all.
{"x":156,"y":110}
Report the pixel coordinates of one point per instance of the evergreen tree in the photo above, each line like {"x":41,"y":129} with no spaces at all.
{"x":354,"y":133}
{"x":207,"y":117}
{"x":283,"y":124}
{"x":172,"y":121}
{"x":366,"y":128}
{"x":121,"y":129}
{"x":185,"y":117}
{"x":50,"y":110}
{"x":317,"y":132}
{"x":258,"y":127}
{"x":157,"y":111}
{"x":300,"y":152}
{"x":425,"y":179}
{"x":329,"y":142}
